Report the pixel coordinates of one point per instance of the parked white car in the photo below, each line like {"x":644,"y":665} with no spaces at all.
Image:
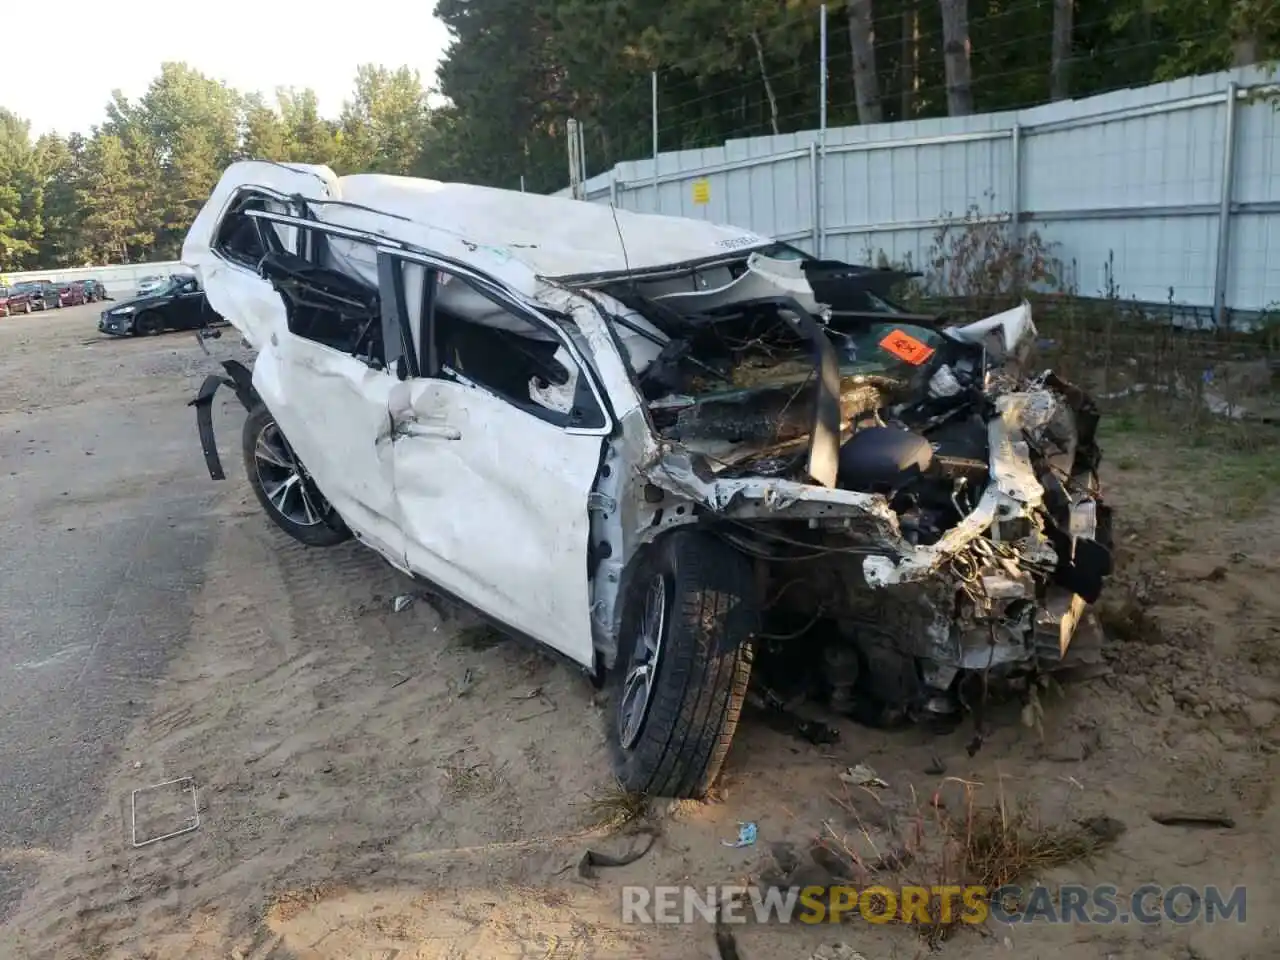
{"x":149,"y":285}
{"x":660,"y":447}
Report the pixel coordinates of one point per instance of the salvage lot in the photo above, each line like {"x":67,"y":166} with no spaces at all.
{"x":372,"y":780}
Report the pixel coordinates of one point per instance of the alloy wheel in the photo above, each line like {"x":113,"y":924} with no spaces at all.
{"x":642,"y":671}
{"x":290,"y":490}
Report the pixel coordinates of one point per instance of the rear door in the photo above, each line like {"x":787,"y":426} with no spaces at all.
{"x":497,"y":441}
{"x":315,"y":371}
{"x":323,"y":374}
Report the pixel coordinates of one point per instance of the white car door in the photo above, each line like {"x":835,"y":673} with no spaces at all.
{"x":333,"y":409}
{"x":492,"y":485}
{"x":320,"y":372}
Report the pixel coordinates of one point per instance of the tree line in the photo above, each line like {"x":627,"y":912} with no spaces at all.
{"x":517,"y":70}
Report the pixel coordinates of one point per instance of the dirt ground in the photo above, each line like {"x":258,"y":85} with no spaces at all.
{"x":374,"y":784}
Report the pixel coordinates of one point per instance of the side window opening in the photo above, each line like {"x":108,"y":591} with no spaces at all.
{"x":478,"y":339}
{"x":328,"y":307}
{"x":243,"y":239}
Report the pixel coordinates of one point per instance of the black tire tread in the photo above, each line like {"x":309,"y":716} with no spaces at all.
{"x":704,"y":670}
{"x":321,"y":535}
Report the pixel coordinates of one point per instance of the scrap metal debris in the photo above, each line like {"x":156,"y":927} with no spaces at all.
{"x":191,"y":822}
{"x":402,"y":602}
{"x":466,"y":683}
{"x":787,"y":718}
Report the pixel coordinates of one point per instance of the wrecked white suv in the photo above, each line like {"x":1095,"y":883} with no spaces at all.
{"x":660,"y":447}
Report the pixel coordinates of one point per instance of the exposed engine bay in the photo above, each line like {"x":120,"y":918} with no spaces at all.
{"x":996,"y":537}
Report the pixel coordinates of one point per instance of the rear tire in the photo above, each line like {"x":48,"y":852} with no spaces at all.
{"x":281,"y":483}
{"x":702,"y":593}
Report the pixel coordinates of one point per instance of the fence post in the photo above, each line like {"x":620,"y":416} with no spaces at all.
{"x":1222,"y":270}
{"x":575,"y":171}
{"x":1015,"y":181}
{"x":613,"y":187}
{"x":657,"y":206}
{"x":815,"y":212}
{"x":820,"y":158}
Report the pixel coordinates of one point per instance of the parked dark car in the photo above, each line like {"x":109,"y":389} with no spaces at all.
{"x":94,"y":290}
{"x":179,"y":305}
{"x":13,"y":300}
{"x":43,"y":293}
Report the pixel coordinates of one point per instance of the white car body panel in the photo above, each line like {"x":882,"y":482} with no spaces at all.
{"x":244,"y":296}
{"x":333,"y":409}
{"x":545,"y":235}
{"x":474,"y":479}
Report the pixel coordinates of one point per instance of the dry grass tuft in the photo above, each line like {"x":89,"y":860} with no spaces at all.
{"x":462,"y":781}
{"x":984,"y":845}
{"x":616,"y":806}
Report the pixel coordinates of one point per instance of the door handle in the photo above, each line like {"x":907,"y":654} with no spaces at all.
{"x":431,"y":433}
{"x":413,"y":428}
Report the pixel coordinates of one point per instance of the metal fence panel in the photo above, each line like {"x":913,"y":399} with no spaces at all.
{"x":1127,"y":188}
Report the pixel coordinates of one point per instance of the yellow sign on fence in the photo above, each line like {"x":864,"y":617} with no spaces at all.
{"x":702,"y":191}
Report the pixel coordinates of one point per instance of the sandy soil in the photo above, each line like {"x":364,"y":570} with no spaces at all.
{"x":374,"y":784}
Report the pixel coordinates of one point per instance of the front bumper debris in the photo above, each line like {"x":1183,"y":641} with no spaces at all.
{"x":240,"y":379}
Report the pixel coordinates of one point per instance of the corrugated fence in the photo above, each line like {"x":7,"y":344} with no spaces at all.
{"x":1130,"y":187}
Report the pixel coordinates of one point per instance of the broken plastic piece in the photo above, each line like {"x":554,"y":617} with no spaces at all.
{"x":592,"y":858}
{"x":746,"y":835}
{"x":402,"y":602}
{"x":862,"y":776}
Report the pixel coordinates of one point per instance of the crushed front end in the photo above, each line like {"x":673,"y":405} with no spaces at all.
{"x":925,"y":514}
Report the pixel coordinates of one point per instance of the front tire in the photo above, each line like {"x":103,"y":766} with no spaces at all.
{"x":147,"y":324}
{"x":690,"y":616}
{"x":284,"y":488}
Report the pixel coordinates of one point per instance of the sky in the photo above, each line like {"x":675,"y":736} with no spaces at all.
{"x":64,"y":81}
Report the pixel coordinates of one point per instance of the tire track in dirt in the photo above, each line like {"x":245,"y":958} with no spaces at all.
{"x":328,"y":741}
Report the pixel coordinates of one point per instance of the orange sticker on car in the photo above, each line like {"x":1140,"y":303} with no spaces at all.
{"x":906,"y":347}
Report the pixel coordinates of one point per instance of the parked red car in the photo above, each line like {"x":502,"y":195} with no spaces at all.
{"x":15,"y":301}
{"x":72,"y":294}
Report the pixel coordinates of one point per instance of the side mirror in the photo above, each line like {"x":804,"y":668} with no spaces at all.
{"x":402,"y":368}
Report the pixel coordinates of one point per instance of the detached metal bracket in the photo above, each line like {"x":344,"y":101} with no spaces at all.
{"x":193,"y":821}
